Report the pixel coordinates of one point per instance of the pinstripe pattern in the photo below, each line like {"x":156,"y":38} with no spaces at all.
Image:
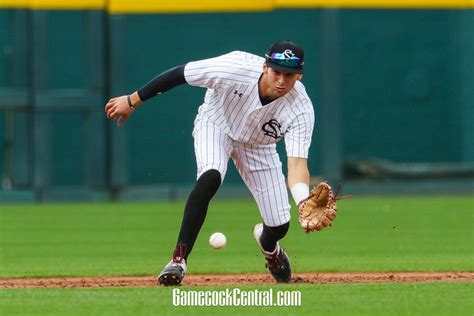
{"x":232,"y":122}
{"x":212,"y":148}
{"x":260,"y":168}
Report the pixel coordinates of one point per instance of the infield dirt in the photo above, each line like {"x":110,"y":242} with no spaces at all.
{"x":239,"y":279}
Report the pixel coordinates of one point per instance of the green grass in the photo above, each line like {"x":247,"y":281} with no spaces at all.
{"x":331,"y":299}
{"x":370,"y":234}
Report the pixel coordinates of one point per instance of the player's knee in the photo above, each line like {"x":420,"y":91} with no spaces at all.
{"x":278,"y":232}
{"x":211,"y":178}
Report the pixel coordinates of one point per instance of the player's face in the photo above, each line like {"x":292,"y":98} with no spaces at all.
{"x":276,"y":84}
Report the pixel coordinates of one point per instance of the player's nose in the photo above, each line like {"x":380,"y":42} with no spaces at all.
{"x":280,"y":79}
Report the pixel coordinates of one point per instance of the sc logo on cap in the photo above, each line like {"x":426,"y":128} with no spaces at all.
{"x":288,"y":53}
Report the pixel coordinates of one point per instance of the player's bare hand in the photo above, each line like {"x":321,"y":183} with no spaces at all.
{"x":118,"y":108}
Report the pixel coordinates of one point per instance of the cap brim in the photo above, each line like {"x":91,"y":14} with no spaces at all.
{"x":281,"y":68}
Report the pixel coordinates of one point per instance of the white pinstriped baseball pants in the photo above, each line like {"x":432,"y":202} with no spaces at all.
{"x":259,"y":166}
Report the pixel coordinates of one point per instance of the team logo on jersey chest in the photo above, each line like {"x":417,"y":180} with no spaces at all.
{"x":272,"y":128}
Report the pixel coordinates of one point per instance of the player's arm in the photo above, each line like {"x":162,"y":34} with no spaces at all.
{"x":122,"y":107}
{"x":298,"y":178}
{"x":205,"y":73}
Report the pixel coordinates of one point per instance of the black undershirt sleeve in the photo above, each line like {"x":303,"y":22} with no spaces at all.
{"x":165,"y":81}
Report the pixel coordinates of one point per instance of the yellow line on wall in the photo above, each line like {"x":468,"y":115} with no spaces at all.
{"x":166,"y":6}
{"x":186,"y":6}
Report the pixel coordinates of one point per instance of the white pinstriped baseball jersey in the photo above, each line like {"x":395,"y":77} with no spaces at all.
{"x":233,"y":123}
{"x":232,"y":103}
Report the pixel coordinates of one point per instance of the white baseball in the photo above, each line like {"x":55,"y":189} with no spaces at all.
{"x":217,"y":240}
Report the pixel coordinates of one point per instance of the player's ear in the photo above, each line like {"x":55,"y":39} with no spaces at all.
{"x":265,"y":68}
{"x":299,"y":77}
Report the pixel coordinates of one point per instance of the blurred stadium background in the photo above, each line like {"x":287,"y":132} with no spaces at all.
{"x":392,"y":83}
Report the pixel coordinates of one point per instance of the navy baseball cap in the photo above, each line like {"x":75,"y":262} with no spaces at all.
{"x":285,"y":56}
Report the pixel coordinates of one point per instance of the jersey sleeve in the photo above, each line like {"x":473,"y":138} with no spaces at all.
{"x":218,"y":72}
{"x":298,"y":136}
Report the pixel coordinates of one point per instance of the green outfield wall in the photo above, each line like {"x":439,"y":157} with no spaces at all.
{"x":388,"y":83}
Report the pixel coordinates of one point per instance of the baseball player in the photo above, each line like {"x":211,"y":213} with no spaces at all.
{"x":251,"y":103}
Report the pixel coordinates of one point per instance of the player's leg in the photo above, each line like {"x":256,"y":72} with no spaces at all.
{"x":261,"y":170}
{"x":271,"y":235}
{"x":212,"y":148}
{"x":196,"y":208}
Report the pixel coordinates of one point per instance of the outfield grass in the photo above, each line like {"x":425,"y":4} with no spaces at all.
{"x":370,"y":234}
{"x":331,"y":299}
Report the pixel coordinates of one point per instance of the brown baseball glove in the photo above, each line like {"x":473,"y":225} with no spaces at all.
{"x":318,"y":210}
